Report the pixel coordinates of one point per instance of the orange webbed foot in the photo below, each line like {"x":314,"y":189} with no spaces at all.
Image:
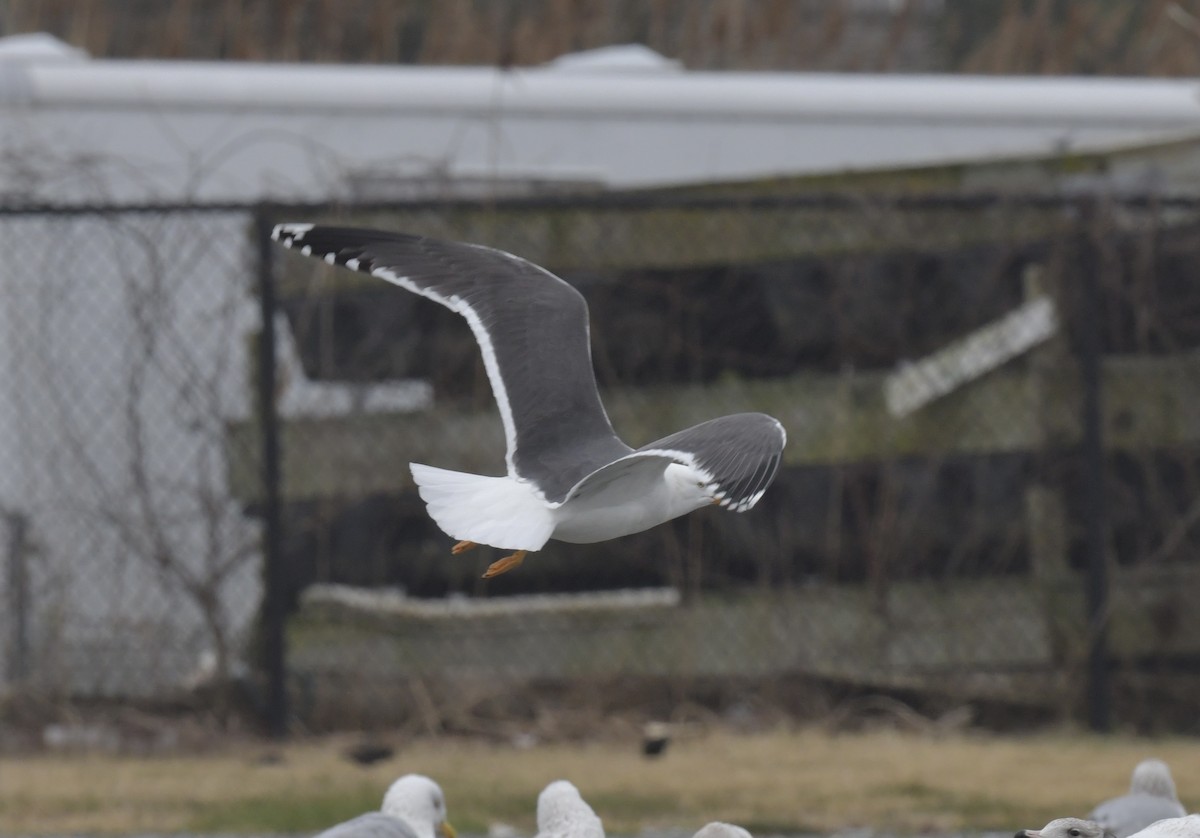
{"x":506,"y":564}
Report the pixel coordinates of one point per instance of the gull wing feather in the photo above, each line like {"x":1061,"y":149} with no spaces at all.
{"x":737,"y":456}
{"x":532,"y":330}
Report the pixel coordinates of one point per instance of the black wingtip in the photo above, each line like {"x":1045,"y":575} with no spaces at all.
{"x":290,"y":233}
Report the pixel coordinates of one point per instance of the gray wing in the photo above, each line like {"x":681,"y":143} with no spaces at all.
{"x":531,"y":327}
{"x":1130,"y":813}
{"x":636,"y":471}
{"x":370,"y":825}
{"x":739,"y":455}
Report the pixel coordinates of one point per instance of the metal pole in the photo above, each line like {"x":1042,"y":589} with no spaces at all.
{"x":18,"y":598}
{"x":1099,"y":690}
{"x":274,"y":611}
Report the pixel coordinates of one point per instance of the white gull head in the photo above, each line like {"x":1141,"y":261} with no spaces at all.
{"x":563,"y":813}
{"x":1153,"y":777}
{"x":1067,"y":828}
{"x":716,"y":829}
{"x":419,"y":802}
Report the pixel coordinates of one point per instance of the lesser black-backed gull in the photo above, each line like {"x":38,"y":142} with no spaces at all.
{"x":569,"y":477}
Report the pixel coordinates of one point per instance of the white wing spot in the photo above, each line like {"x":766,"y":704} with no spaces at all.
{"x":293,"y":231}
{"x":352,"y":264}
{"x":330,"y":258}
{"x":306,"y":250}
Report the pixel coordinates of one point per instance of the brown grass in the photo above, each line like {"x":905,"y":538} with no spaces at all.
{"x":786,"y":781}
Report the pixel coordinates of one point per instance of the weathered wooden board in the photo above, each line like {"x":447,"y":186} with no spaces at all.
{"x":991,"y":637}
{"x":1149,"y":402}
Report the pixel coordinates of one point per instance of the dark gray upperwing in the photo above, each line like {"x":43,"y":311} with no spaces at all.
{"x":739,"y":455}
{"x":531,"y":327}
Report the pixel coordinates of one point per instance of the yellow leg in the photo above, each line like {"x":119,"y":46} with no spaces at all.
{"x":505,"y":565}
{"x":462,"y":547}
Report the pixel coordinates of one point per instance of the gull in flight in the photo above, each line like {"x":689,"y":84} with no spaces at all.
{"x":569,"y":477}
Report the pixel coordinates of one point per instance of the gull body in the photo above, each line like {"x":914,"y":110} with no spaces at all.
{"x":1187,"y":826}
{"x":370,"y":825}
{"x":1067,"y":828}
{"x":1151,"y":798}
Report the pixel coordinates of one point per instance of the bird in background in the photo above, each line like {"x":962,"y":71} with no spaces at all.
{"x":413,"y":807}
{"x":1151,"y":798}
{"x":563,"y":813}
{"x":1067,"y":828}
{"x":1184,"y":827}
{"x":717,"y":829}
{"x":568,"y":476}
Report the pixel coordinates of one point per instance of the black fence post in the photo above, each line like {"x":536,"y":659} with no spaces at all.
{"x":18,"y":597}
{"x":1095,"y":524}
{"x":274,"y":647}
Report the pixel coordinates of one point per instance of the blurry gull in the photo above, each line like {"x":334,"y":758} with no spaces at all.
{"x":716,"y":829}
{"x":569,"y":476}
{"x":1185,"y":827}
{"x":1067,"y":828}
{"x":414,"y":807}
{"x":563,"y":813}
{"x":1151,"y":798}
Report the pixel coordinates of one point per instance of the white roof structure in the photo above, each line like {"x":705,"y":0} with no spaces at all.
{"x":74,"y":128}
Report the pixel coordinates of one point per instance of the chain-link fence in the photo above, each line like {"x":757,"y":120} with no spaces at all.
{"x":129,"y":564}
{"x":989,"y":493}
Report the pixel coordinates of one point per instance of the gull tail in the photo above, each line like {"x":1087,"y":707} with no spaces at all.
{"x":498,"y":511}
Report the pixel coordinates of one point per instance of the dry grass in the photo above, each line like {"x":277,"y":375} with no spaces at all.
{"x":789,"y":781}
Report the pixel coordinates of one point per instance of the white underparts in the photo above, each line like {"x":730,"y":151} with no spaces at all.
{"x":649,"y":492}
{"x":508,"y":513}
{"x":498,"y":511}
